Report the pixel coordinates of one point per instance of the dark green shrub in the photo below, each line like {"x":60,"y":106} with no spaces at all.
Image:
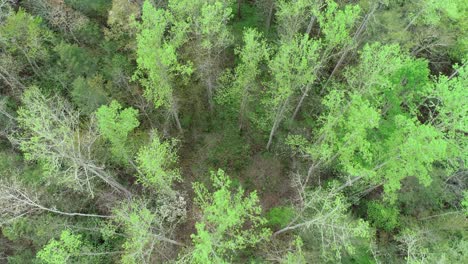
{"x":383,"y":217}
{"x":279,"y":217}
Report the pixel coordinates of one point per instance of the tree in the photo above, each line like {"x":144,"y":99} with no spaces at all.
{"x":221,"y":231}
{"x":62,"y":251}
{"x":206,"y":22}
{"x":158,"y":65}
{"x":89,"y":93}
{"x":324,"y":214}
{"x":61,"y":17}
{"x":143,"y":229}
{"x":245,"y":87}
{"x":120,"y":23}
{"x":115,"y":124}
{"x":336,"y":26}
{"x":158,"y":164}
{"x":18,"y":201}
{"x":25,"y":39}
{"x":51,"y":136}
{"x":389,"y":134}
{"x":294,"y":17}
{"x":346,"y":126}
{"x":448,"y":112}
{"x":292,"y":69}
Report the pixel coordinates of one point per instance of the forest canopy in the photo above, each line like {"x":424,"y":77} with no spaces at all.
{"x":233,"y":131}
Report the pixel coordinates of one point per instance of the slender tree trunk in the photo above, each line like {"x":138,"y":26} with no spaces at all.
{"x":270,"y":15}
{"x":111,"y":181}
{"x":239,"y":3}
{"x":243,"y":109}
{"x":414,"y":19}
{"x":209,"y":86}
{"x":311,"y":25}
{"x":298,"y":107}
{"x":165,"y":239}
{"x":348,"y":47}
{"x":175,"y":114}
{"x":278,"y":117}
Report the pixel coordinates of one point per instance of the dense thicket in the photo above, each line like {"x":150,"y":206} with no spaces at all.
{"x":223,"y":131}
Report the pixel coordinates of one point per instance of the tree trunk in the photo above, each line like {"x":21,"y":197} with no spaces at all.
{"x":239,"y":3}
{"x":176,"y":118}
{"x":270,"y":16}
{"x":278,"y":117}
{"x":175,"y":113}
{"x":347,"y":48}
{"x":304,"y":94}
{"x":242,"y":110}
{"x":209,"y":87}
{"x":311,"y":25}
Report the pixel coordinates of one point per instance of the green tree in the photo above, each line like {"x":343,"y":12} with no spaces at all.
{"x":296,"y":16}
{"x":382,"y":216}
{"x":89,"y":93}
{"x":62,"y":251}
{"x":24,"y":38}
{"x":448,"y":111}
{"x":144,"y":230}
{"x":323,"y":216}
{"x":158,"y":164}
{"x":292,"y":69}
{"x":207,"y":22}
{"x":51,"y":135}
{"x":221,"y":231}
{"x":245,"y":87}
{"x":115,"y":124}
{"x":158,"y":65}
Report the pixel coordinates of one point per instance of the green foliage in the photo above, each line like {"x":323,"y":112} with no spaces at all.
{"x":41,"y":129}
{"x":382,"y":216}
{"x":88,"y":94}
{"x":158,"y":164}
{"x":91,"y":7}
{"x":24,"y":35}
{"x":279,"y":217}
{"x":465,"y":202}
{"x":415,"y":145}
{"x":297,"y":256}
{"x":292,"y":67}
{"x":78,"y":61}
{"x":221,"y":230}
{"x":24,"y":42}
{"x":116,"y":124}
{"x":449,"y":110}
{"x":384,"y":122}
{"x":61,"y":251}
{"x":156,"y":57}
{"x":346,"y":130}
{"x":137,"y":223}
{"x":326,"y":219}
{"x":230,"y":152}
{"x":241,"y":92}
{"x":336,"y":24}
{"x":292,"y":16}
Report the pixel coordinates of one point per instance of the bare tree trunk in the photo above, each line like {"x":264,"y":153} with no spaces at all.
{"x":175,"y":113}
{"x":270,"y":15}
{"x":176,"y":118}
{"x":210,"y":88}
{"x":110,"y":181}
{"x":311,"y":25}
{"x":278,"y":117}
{"x":348,"y":47}
{"x":304,"y":94}
{"x":243,"y":109}
{"x":239,"y":3}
